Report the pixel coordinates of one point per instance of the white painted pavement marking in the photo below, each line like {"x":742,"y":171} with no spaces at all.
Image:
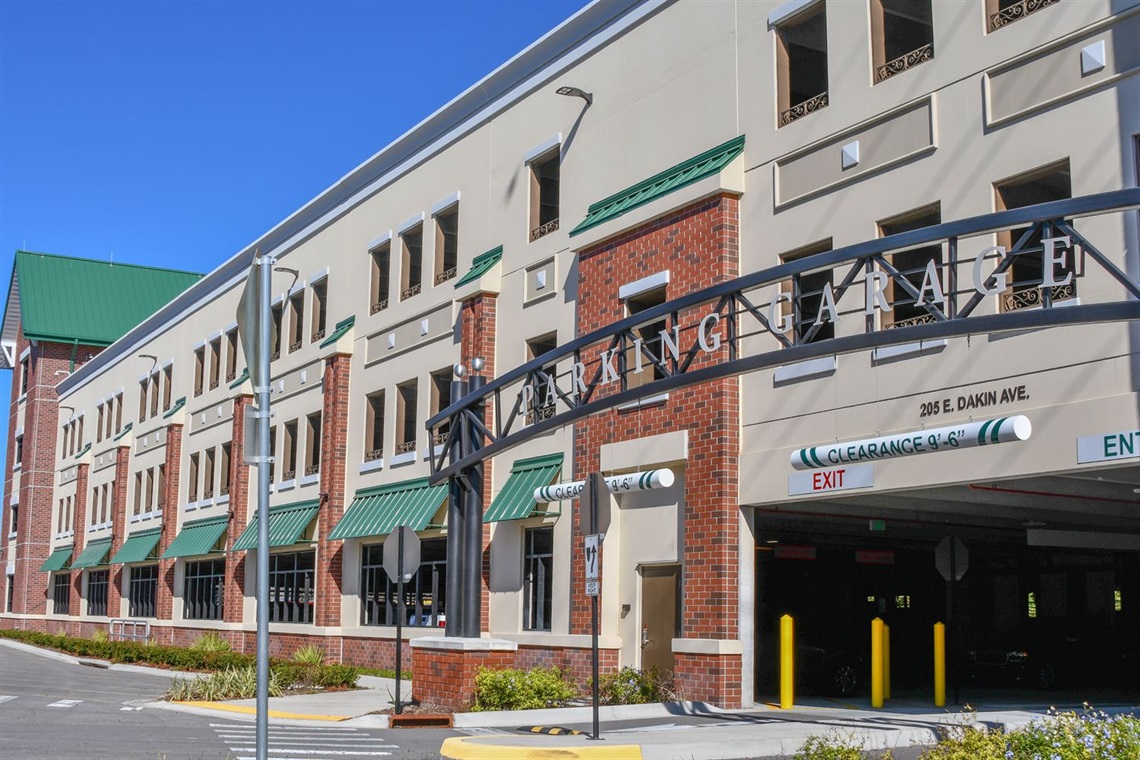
{"x":302,"y":743}
{"x":66,"y":703}
{"x":6,"y":698}
{"x":483,"y":731}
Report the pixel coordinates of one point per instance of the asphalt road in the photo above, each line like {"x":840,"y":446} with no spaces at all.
{"x":51,"y":710}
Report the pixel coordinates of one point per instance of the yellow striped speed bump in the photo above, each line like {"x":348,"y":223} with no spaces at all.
{"x":551,"y":730}
{"x":499,"y":748}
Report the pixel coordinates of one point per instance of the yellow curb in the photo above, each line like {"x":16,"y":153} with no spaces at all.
{"x":272,"y":713}
{"x":480,"y":748}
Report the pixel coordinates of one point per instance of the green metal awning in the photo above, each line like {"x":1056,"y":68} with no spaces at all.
{"x":93,"y":555}
{"x":286,"y":524}
{"x":674,"y":178}
{"x":57,"y":561}
{"x":377,"y":511}
{"x":197,"y":537}
{"x":516,"y":500}
{"x":139,"y":547}
{"x":480,"y":264}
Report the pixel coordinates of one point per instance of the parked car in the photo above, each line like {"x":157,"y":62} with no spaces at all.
{"x":832,"y":668}
{"x":1035,"y":656}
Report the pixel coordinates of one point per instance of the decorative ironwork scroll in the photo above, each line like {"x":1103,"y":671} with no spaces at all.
{"x":1018,"y":11}
{"x":904,"y":62}
{"x":811,"y":105}
{"x":701,"y":336}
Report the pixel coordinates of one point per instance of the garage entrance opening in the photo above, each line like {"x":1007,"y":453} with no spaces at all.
{"x":1025,"y":620}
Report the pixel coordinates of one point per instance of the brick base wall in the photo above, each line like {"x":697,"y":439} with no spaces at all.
{"x":710,"y":678}
{"x":447,"y":677}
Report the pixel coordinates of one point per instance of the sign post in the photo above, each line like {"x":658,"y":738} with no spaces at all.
{"x":401,"y":560}
{"x":257,"y":330}
{"x":952,"y":559}
{"x":591,"y":493}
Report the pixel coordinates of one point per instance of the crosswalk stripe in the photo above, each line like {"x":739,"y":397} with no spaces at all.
{"x":6,"y":698}
{"x":338,"y":753}
{"x":320,"y":729}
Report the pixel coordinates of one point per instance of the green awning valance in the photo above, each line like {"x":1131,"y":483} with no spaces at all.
{"x":516,"y":500}
{"x":286,"y":524}
{"x":377,"y":511}
{"x":57,"y":561}
{"x":93,"y":555}
{"x":139,"y":547}
{"x":197,"y":537}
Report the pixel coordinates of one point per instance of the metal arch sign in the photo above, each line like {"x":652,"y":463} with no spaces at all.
{"x":705,"y":330}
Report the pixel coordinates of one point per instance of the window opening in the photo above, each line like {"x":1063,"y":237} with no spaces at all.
{"x":412,"y":243}
{"x":446,"y":244}
{"x":381,"y":270}
{"x":544,"y":191}
{"x":801,"y":65}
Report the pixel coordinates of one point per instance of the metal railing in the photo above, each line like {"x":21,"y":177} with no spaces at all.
{"x":543,"y":229}
{"x":1017,"y":12}
{"x":445,"y":275}
{"x":122,"y":629}
{"x":408,"y":292}
{"x":904,"y":62}
{"x":799,"y":110}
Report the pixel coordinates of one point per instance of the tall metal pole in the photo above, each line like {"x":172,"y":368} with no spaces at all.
{"x":473,"y":523}
{"x":263,"y":462}
{"x":453,"y":608}
{"x":399,"y":613}
{"x":596,"y":486}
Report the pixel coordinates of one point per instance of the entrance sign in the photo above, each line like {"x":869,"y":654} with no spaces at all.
{"x":739,"y":326}
{"x":967,"y":436}
{"x":1109,"y":447}
{"x":833,"y":479}
{"x":633,"y":481}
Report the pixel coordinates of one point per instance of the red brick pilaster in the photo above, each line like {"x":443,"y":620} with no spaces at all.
{"x":165,"y":601}
{"x":234,"y":602}
{"x":48,"y":363}
{"x":698,"y":244}
{"x":79,"y":528}
{"x":118,"y":529}
{"x":478,"y":336}
{"x":334,"y":449}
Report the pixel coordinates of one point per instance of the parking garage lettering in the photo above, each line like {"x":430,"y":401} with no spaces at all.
{"x":781,"y":321}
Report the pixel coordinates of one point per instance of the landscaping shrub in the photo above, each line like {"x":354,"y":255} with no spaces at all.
{"x":100,"y":636}
{"x":231,"y":683}
{"x":176,"y":658}
{"x":512,"y":689}
{"x":630,"y":686}
{"x":310,"y":654}
{"x":1087,"y":735}
{"x":210,"y":641}
{"x":834,"y":746}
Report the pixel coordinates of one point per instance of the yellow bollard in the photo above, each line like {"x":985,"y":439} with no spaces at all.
{"x":877,"y":662}
{"x":886,"y":661}
{"x":787,"y":662}
{"x":939,"y":665}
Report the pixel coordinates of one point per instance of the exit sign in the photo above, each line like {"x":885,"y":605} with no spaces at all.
{"x":831,"y":479}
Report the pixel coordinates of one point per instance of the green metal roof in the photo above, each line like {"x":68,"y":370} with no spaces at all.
{"x":377,"y":511}
{"x":286,"y":524}
{"x":480,"y":264}
{"x":66,"y":300}
{"x":241,"y":378}
{"x":341,"y":328}
{"x":93,"y":555}
{"x":57,"y":561}
{"x":197,"y":537}
{"x":126,"y":429}
{"x":177,"y":405}
{"x":685,"y":173}
{"x":84,"y":450}
{"x":139,"y":547}
{"x":516,"y":500}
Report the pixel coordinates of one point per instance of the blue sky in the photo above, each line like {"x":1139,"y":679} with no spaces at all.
{"x":174,"y":133}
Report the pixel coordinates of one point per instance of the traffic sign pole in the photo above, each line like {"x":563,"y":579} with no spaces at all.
{"x":399,"y":612}
{"x":594,"y":486}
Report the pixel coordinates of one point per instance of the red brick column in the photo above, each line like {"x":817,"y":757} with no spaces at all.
{"x":698,"y":244}
{"x":79,"y":526}
{"x":478,"y":335}
{"x":118,"y":529}
{"x":37,"y":476}
{"x":165,"y":602}
{"x":334,"y":450}
{"x":234,"y":602}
